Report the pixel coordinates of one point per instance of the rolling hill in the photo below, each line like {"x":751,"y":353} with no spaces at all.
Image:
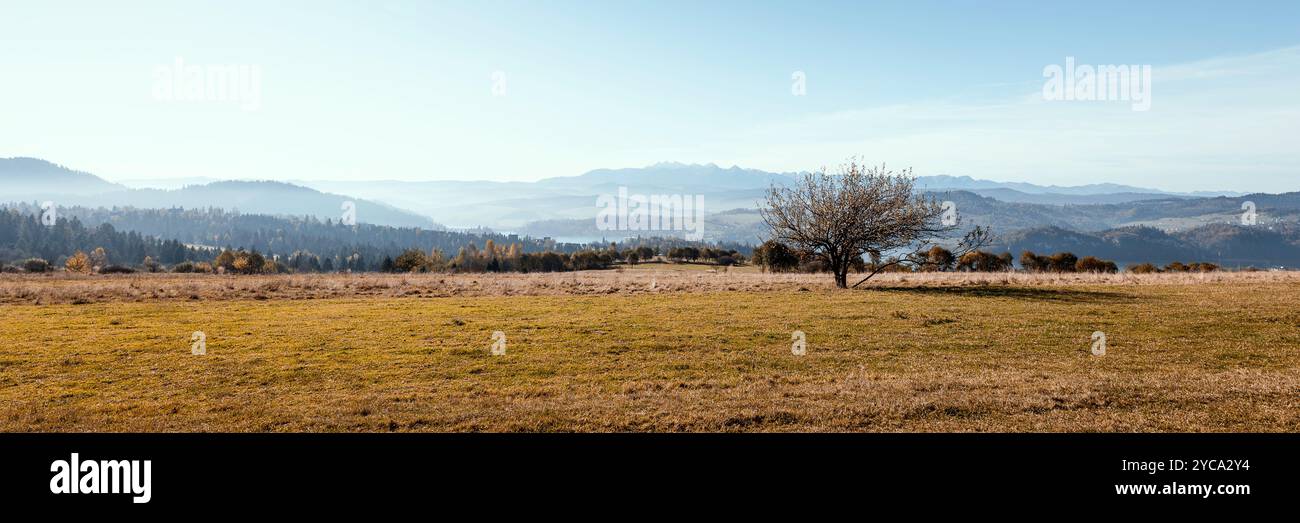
{"x":28,"y":180}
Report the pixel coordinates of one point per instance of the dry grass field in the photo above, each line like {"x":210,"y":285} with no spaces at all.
{"x":655,"y":348}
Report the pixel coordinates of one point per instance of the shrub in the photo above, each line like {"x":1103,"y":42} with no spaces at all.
{"x":938,"y":259}
{"x":980,"y":261}
{"x":775,"y":256}
{"x":116,"y":269}
{"x":1203,"y":267}
{"x":1092,"y":264}
{"x":244,"y":264}
{"x":412,"y":260}
{"x":1034,"y":263}
{"x":270,"y":266}
{"x":35,"y":265}
{"x":1176,"y":267}
{"x":684,"y":253}
{"x":98,"y":258}
{"x":1143,"y":268}
{"x":225,"y":260}
{"x":1006,"y":262}
{"x":78,"y":263}
{"x":589,"y":260}
{"x":1062,"y":262}
{"x":240,"y":262}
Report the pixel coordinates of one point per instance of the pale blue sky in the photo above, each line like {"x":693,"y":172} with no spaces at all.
{"x":403,"y":90}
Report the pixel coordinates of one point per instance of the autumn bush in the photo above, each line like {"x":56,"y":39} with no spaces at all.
{"x":980,"y":261}
{"x":1143,"y":268}
{"x":1063,"y":262}
{"x":1095,"y":265}
{"x":938,"y":259}
{"x":78,"y":263}
{"x":1059,"y":262}
{"x":1034,"y":263}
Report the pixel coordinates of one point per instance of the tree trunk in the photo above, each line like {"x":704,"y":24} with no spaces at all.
{"x":840,"y":268}
{"x":842,"y":277}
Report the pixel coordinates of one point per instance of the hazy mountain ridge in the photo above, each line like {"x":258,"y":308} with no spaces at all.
{"x":1171,"y":215}
{"x":947,"y":182}
{"x":543,"y":207}
{"x":1085,"y":219}
{"x":31,"y":176}
{"x":1224,"y":244}
{"x":27,"y":180}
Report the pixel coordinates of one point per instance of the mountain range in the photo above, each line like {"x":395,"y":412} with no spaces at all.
{"x":1127,"y":223}
{"x":29,"y":180}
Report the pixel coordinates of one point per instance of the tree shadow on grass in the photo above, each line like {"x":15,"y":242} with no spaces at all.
{"x":1019,"y":293}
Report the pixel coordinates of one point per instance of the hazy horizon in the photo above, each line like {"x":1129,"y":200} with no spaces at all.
{"x":179,"y":181}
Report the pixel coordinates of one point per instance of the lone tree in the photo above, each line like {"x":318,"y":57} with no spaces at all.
{"x":860,"y":211}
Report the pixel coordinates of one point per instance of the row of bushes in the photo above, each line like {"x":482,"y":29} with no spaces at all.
{"x":777,"y":257}
{"x":493,"y":258}
{"x":1065,"y":262}
{"x":40,"y":265}
{"x":694,"y":254}
{"x":938,"y":259}
{"x":497,"y":258}
{"x":1147,"y":268}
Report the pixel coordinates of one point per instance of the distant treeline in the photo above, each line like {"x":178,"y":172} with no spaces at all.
{"x":491,"y":258}
{"x":23,"y":236}
{"x":1231,"y":245}
{"x":279,"y":244}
